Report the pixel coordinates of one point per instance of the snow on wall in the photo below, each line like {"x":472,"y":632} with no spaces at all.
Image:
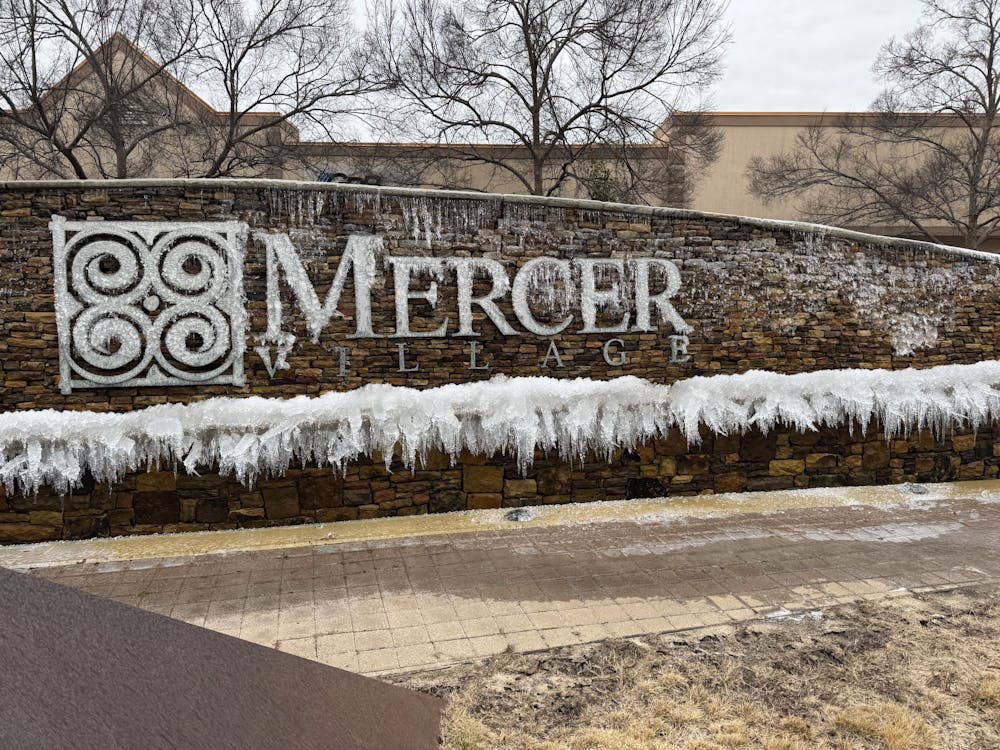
{"x":250,"y":437}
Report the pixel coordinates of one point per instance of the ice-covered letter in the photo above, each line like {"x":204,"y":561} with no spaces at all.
{"x":465,"y":271}
{"x":359,"y":255}
{"x":592,"y":298}
{"x":644,"y":301}
{"x":404,"y":268}
{"x":519,"y":295}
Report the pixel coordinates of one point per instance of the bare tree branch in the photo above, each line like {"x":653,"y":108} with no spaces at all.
{"x":100,"y":88}
{"x":554,"y":77}
{"x":928,"y":155}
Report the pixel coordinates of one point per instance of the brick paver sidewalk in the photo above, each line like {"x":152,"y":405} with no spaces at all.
{"x":410,"y":603}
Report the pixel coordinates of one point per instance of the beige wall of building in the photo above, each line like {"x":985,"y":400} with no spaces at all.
{"x":725,"y":187}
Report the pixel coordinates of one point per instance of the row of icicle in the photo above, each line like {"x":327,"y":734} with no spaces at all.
{"x":254,"y":437}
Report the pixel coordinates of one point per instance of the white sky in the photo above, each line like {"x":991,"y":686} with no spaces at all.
{"x":807,"y":55}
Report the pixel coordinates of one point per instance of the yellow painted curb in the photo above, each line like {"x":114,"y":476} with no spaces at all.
{"x":663,"y":510}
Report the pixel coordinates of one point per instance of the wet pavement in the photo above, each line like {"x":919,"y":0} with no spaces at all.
{"x":389,"y":604}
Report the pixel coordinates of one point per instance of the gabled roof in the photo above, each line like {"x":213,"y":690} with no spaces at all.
{"x":118,"y":43}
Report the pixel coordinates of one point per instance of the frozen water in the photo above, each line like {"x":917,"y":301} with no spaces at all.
{"x":250,"y":437}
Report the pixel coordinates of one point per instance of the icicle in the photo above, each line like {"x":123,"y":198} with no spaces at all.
{"x":255,"y":436}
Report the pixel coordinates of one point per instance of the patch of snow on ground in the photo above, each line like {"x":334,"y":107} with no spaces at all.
{"x":896,"y":533}
{"x":786,"y":614}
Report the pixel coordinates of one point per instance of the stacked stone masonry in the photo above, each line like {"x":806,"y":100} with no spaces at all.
{"x":758,"y":296}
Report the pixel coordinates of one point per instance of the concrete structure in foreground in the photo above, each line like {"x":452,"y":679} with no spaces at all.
{"x":122,"y":295}
{"x":90,"y":673}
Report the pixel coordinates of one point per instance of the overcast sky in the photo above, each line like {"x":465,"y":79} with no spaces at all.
{"x":807,"y":55}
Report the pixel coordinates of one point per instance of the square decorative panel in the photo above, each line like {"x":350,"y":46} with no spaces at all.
{"x":143,"y":303}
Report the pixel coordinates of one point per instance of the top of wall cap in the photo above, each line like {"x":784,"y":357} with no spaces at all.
{"x":536,"y":200}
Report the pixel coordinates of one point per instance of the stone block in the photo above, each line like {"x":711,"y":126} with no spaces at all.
{"x":852,"y":462}
{"x":246,"y":515}
{"x":280,"y":501}
{"x":120,"y":517}
{"x":156,"y":481}
{"x":648,"y":487}
{"x":693,"y":464}
{"x":436,"y":461}
{"x":900,"y":447}
{"x":973,"y":470}
{"x":212,"y":510}
{"x":484,"y":500}
{"x":727,"y":444}
{"x":44,"y":500}
{"x":322,"y":491}
{"x":822,"y":461}
{"x":357,"y":496}
{"x":25,"y":532}
{"x":520,"y":488}
{"x":383,"y":496}
{"x":667,"y":467}
{"x":804,"y":438}
{"x":199,"y":482}
{"x":876,"y":455}
{"x":758,"y":484}
{"x":556,"y":499}
{"x":325,"y":515}
{"x":731,"y":482}
{"x":674,"y":444}
{"x":554,"y":480}
{"x":251,"y":500}
{"x":156,"y":508}
{"x":445,"y":500}
{"x":83,"y":527}
{"x":643,"y":453}
{"x":758,"y":447}
{"x":45,"y":517}
{"x":786,"y":467}
{"x":963,"y":442}
{"x":482,"y":479}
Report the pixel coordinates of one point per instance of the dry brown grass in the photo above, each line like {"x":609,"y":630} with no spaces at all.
{"x":910,"y":674}
{"x":987,"y":691}
{"x":894,"y":726}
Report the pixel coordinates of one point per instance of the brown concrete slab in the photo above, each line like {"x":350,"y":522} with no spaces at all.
{"x":84,"y":672}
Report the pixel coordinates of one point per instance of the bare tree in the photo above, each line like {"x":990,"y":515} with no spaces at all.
{"x":55,"y":120}
{"x":553,"y":78}
{"x":274,"y":69}
{"x":103,"y":88}
{"x":928,"y":154}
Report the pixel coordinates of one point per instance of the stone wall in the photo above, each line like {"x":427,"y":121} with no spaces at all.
{"x":758,"y":295}
{"x":162,"y":501}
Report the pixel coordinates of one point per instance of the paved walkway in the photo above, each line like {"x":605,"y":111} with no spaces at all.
{"x":400,"y":604}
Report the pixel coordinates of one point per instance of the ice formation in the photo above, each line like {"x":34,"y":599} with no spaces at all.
{"x":250,"y":437}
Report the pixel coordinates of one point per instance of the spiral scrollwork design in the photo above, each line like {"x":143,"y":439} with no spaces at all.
{"x":149,"y":303}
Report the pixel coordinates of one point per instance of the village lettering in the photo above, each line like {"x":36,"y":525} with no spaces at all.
{"x":602,"y":285}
